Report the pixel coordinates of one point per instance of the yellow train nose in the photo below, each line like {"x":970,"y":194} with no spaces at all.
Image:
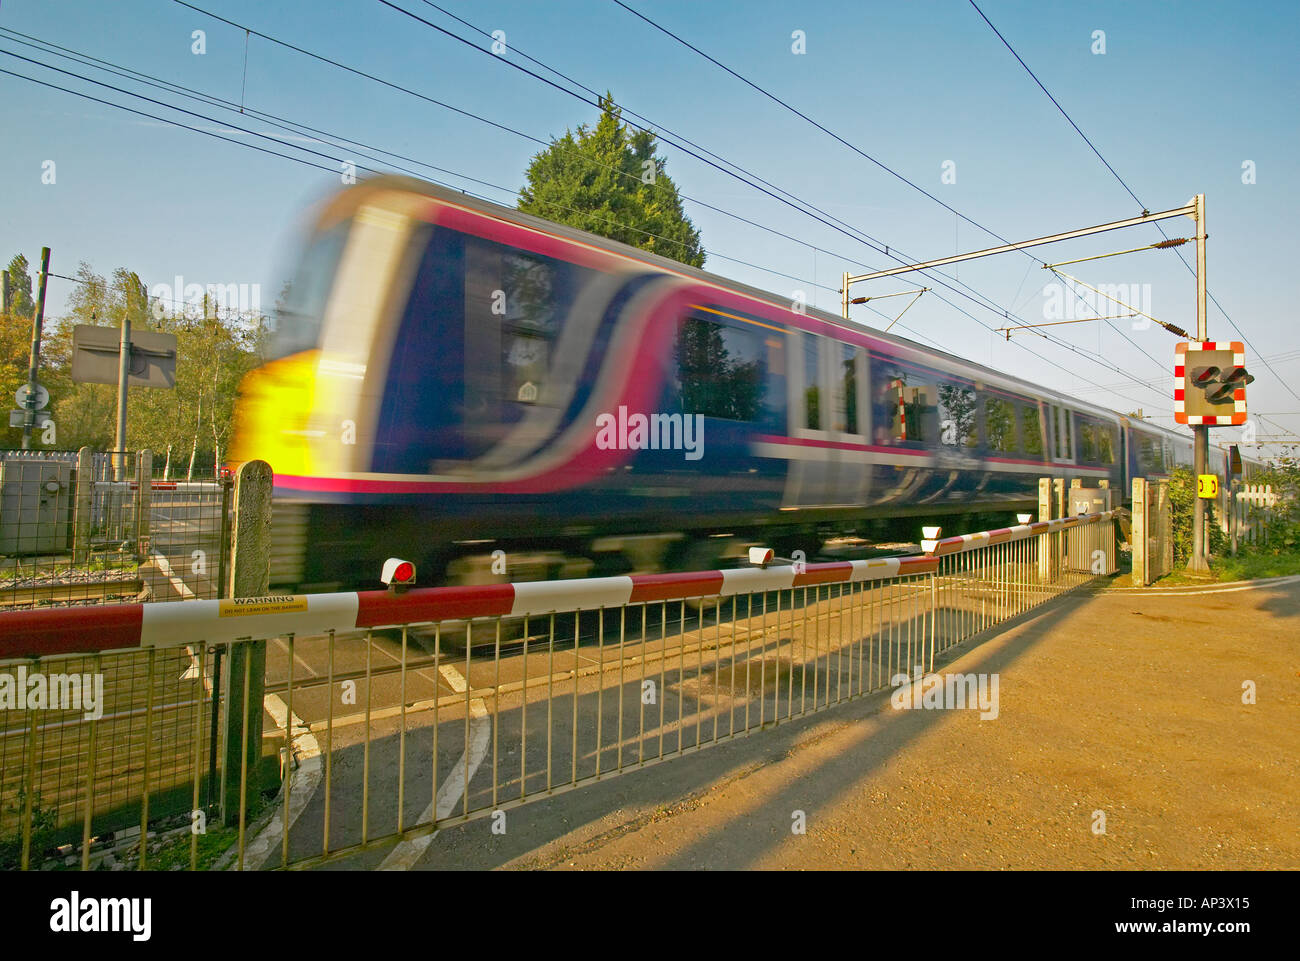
{"x":272,"y":414}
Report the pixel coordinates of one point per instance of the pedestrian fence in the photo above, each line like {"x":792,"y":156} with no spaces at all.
{"x":84,"y":527}
{"x":1248,"y":511}
{"x":1152,"y":534}
{"x":393,"y":714}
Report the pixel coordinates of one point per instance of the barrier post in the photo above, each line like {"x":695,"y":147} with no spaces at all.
{"x":1232,"y":514}
{"x":1045,"y":540}
{"x":1058,"y":511}
{"x":143,"y":498}
{"x":83,"y":506}
{"x":245,"y":666}
{"x":1141,"y":538}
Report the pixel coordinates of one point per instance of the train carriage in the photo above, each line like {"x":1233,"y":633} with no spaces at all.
{"x":449,"y":377}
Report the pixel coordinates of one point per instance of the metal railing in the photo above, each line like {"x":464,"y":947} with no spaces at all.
{"x":396,"y":714}
{"x":73,"y":532}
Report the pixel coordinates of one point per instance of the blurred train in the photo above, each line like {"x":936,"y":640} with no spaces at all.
{"x":450,"y":378}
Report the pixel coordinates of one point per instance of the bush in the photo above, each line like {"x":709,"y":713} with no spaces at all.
{"x":1182,"y":500}
{"x":1281,"y":528}
{"x":43,"y":831}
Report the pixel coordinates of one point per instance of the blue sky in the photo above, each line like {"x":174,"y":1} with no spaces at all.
{"x":1183,"y":95}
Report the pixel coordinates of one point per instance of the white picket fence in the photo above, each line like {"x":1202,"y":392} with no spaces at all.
{"x":1245,"y":511}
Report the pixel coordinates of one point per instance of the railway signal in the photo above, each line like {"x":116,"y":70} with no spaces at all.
{"x":1210,"y":379}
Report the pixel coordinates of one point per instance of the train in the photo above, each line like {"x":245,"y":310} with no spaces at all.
{"x":492,"y":395}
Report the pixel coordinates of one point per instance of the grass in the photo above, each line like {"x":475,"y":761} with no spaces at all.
{"x":1243,"y":567}
{"x":174,"y":854}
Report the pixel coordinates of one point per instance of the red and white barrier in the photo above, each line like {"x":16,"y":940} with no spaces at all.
{"x":71,"y":630}
{"x":74,"y":630}
{"x":969,"y":542}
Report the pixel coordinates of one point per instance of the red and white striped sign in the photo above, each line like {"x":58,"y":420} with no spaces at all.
{"x":1183,"y":361}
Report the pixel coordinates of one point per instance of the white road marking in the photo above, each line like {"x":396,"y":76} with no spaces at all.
{"x":303,"y":779}
{"x":1248,"y":586}
{"x":165,"y":566}
{"x":405,"y":855}
{"x":191,"y":672}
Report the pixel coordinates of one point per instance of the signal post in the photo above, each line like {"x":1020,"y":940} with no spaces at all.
{"x":1209,"y":390}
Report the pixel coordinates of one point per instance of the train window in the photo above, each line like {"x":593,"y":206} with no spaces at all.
{"x":721,"y":370}
{"x":530,"y":322}
{"x":474,"y":351}
{"x":1033,"y":430}
{"x":957,"y":415}
{"x":811,"y":383}
{"x":515,"y":303}
{"x":904,"y":404}
{"x":1152,"y":453}
{"x":1105,"y":444}
{"x":1067,"y":444}
{"x":1000,"y":424}
{"x":298,"y":318}
{"x":1087,"y":441}
{"x":846,"y":390}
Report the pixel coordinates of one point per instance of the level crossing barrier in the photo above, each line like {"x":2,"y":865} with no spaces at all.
{"x":395,"y":713}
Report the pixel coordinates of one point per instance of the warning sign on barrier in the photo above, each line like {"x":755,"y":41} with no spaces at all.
{"x":274,"y":604}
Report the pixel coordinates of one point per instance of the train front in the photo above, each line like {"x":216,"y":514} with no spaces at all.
{"x":423,"y":384}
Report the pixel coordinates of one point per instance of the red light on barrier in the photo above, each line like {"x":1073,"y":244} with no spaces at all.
{"x":398,"y":574}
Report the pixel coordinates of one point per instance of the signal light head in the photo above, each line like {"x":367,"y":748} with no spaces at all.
{"x":1221,"y":394}
{"x":1205,"y":376}
{"x":398,"y":574}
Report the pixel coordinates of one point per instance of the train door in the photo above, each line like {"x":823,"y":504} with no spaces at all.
{"x":848,"y":370}
{"x":1061,"y":421}
{"x":812,"y":480}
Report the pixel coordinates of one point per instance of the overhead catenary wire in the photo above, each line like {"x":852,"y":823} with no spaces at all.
{"x":860,"y":152}
{"x":230,"y":105}
{"x":453,"y":173}
{"x":856,"y":149}
{"x":894,"y":254}
{"x":876,"y":245}
{"x":300,"y":160}
{"x":289,"y":125}
{"x":1127,"y":189}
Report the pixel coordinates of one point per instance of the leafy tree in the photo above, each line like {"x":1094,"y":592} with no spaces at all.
{"x":188,"y":425}
{"x":607,"y":180}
